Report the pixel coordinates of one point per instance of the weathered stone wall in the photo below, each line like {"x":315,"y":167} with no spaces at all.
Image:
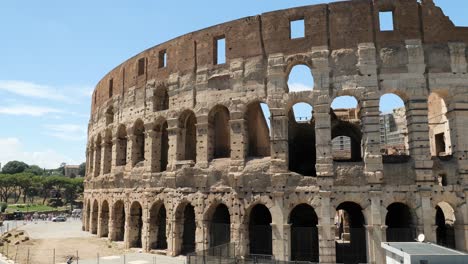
{"x":348,"y":55}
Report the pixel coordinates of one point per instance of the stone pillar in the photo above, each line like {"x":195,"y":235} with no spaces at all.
{"x":376,"y":232}
{"x":242,"y":241}
{"x":128,"y":227}
{"x":239,"y":141}
{"x":111,"y":236}
{"x":175,"y":146}
{"x":204,"y":150}
{"x":279,"y":140}
{"x":201,"y":235}
{"x":324,"y":158}
{"x":152,"y":152}
{"x":115,"y":149}
{"x":370,"y":120}
{"x":102,"y":161}
{"x":287,"y":241}
{"x":91,"y":161}
{"x":461,"y":224}
{"x":458,"y":122}
{"x":278,"y":220}
{"x":428,"y":219}
{"x":418,"y":138}
{"x":107,"y":156}
{"x":130,"y":148}
{"x":326,"y":228}
{"x":145,"y":245}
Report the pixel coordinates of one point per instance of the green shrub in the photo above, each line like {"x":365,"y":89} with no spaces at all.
{"x":3,"y":207}
{"x":55,"y":202}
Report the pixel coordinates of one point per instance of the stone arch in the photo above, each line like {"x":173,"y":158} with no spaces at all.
{"x":122,"y":139}
{"x":350,"y":233}
{"x":353,"y":133}
{"x":394,"y":136}
{"x":88,"y":215}
{"x":301,"y":144}
{"x":258,"y":131}
{"x":135,"y":226}
{"x":97,"y":155}
{"x":187,"y":124}
{"x":260,"y":231}
{"x":160,"y":98}
{"x":445,"y":225}
{"x":439,"y":126}
{"x":219,"y":226}
{"x":138,"y":144}
{"x":305,"y":71}
{"x":304,"y":241}
{"x":185,"y":228}
{"x":104,"y":219}
{"x":118,"y":219}
{"x":161,"y":151}
{"x":298,"y":59}
{"x":400,"y":222}
{"x":94,"y":217}
{"x":110,"y":115}
{"x":219,"y":132}
{"x":157,"y":238}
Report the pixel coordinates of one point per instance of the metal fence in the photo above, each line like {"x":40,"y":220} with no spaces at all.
{"x":226,"y":254}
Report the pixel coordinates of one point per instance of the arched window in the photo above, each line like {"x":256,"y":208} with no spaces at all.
{"x":110,"y":115}
{"x":301,"y":140}
{"x":163,"y":146}
{"x":118,"y":216}
{"x":138,"y":154}
{"x":220,"y":133}
{"x":258,"y":127}
{"x":220,"y":226}
{"x":104,"y":218}
{"x":400,"y":224}
{"x":186,"y":226}
{"x":393,"y":126}
{"x":304,"y":234}
{"x":300,"y":79}
{"x":445,"y":222}
{"x":345,"y":128}
{"x":136,"y":225}
{"x":160,"y":99}
{"x":350,"y":234}
{"x":121,"y":146}
{"x":157,"y":233}
{"x":187,"y":123}
{"x":260,"y":233}
{"x":439,"y":129}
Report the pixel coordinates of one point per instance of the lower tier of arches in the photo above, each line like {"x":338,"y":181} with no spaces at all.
{"x":324,"y":227}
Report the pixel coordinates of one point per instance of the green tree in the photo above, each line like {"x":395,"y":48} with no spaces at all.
{"x":14,"y":166}
{"x":34,"y":169}
{"x":7,"y":186}
{"x":82,"y":170}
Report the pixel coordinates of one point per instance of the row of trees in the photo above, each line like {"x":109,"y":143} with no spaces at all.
{"x":20,"y":181}
{"x":28,"y":186}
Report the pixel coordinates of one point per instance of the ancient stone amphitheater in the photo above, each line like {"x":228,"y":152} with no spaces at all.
{"x":181,"y":157}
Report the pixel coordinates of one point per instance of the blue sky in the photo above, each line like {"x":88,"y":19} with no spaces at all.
{"x":53,"y":52}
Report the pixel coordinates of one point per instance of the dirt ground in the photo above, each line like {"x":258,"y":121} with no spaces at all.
{"x":44,"y":242}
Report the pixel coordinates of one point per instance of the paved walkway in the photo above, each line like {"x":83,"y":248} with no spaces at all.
{"x":137,"y":258}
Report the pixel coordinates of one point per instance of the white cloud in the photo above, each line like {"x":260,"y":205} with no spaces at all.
{"x":48,"y":158}
{"x":28,"y":110}
{"x":69,"y":132}
{"x":298,"y":87}
{"x":29,"y":89}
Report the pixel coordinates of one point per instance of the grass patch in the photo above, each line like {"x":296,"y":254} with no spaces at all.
{"x":29,"y":208}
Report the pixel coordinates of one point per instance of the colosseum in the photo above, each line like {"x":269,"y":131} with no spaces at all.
{"x":182,"y":157}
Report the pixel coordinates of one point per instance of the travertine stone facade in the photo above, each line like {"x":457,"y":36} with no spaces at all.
{"x":180,"y":157}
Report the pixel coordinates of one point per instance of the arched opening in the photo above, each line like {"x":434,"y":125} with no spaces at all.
{"x":121,"y":146}
{"x":445,"y":222}
{"x":439,"y":129}
{"x":258,"y":128}
{"x":300,"y":79}
{"x":94,"y":217}
{"x":345,"y":128}
{"x":260,"y":233}
{"x":350,"y":234}
{"x":138,"y":145}
{"x":157,"y":233}
{"x":107,"y":152}
{"x":118,"y":217}
{"x":189,"y":228}
{"x":135,"y":225}
{"x":400,"y":225}
{"x":161,"y":99}
{"x":220,"y":135}
{"x":301,"y":140}
{"x":188,"y":123}
{"x":220,"y":226}
{"x":110,"y":115}
{"x":97,"y":158}
{"x":304,"y":234}
{"x":393,"y":126}
{"x":163,"y":146}
{"x":104,"y":231}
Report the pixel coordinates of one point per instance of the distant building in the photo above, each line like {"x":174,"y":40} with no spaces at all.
{"x":72,"y":171}
{"x":394,"y":133}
